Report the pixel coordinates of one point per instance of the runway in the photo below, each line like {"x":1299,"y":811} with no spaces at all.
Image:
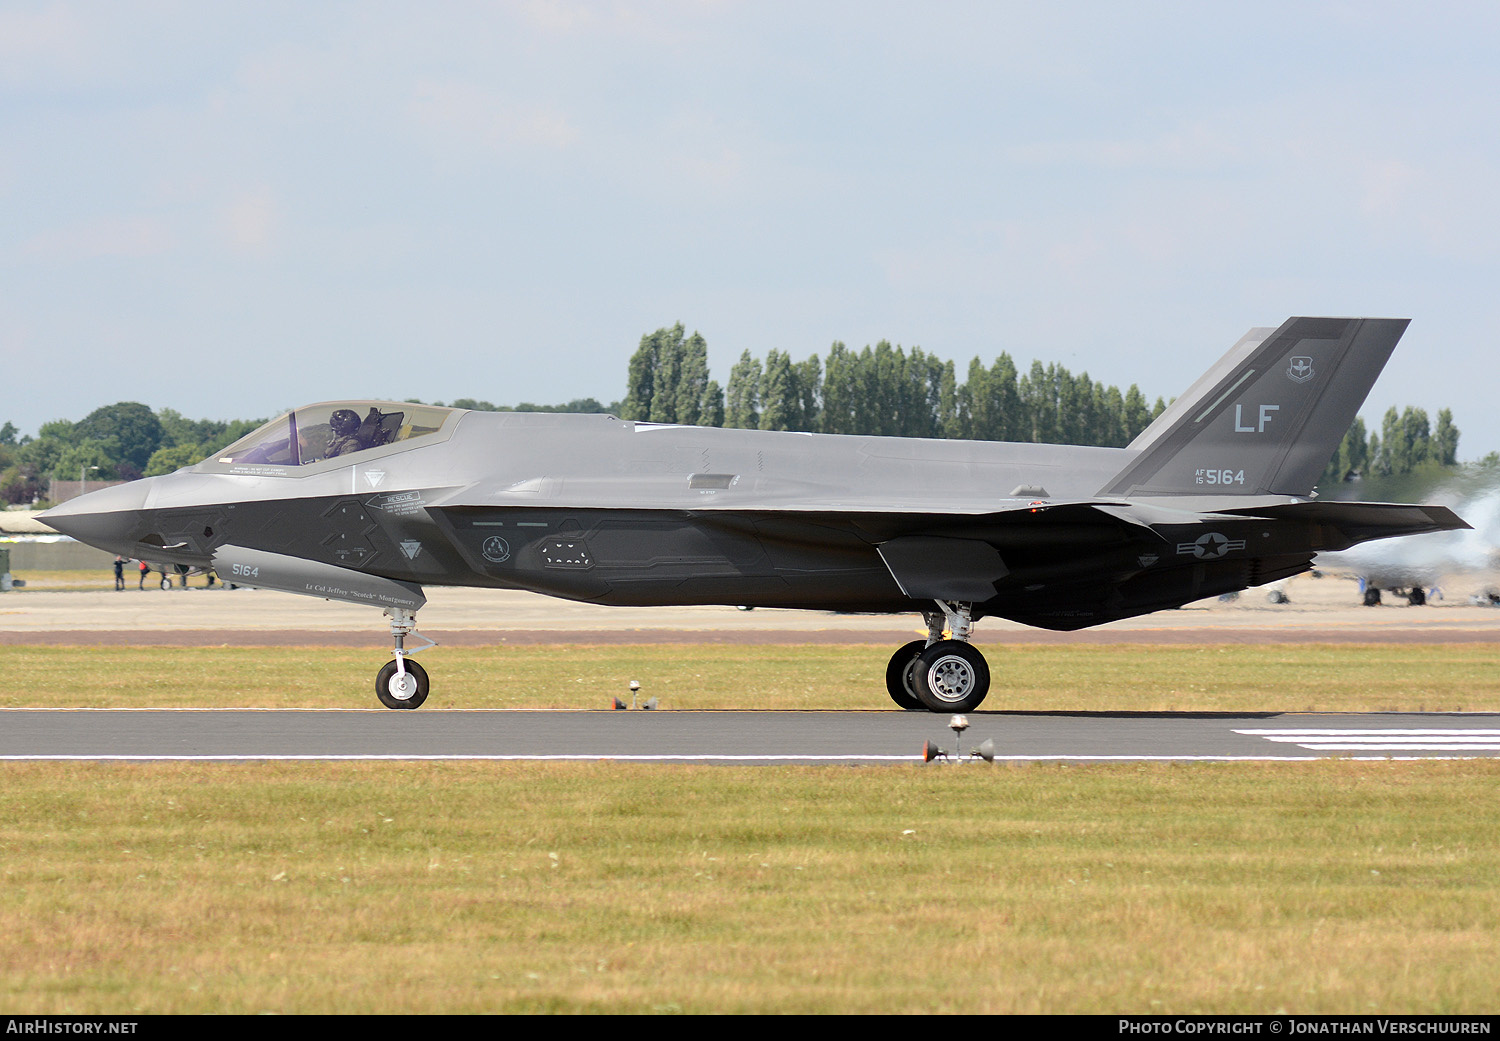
{"x":733,"y":738}
{"x":1320,"y":611}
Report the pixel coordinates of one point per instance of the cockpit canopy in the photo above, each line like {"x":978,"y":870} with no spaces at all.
{"x":329,"y":431}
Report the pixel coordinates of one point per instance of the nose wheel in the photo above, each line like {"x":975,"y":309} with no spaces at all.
{"x":401,"y":684}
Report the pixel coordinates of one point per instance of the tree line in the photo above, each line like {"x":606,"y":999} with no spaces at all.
{"x":878,"y":390}
{"x":119,"y":442}
{"x":1406,"y":443}
{"x":882,"y":390}
{"x":892,"y":391}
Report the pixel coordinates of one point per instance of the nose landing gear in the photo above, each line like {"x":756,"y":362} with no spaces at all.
{"x":402,"y":683}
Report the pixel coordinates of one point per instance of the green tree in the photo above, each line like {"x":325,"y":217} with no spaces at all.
{"x":90,"y":459}
{"x":1416,"y":436}
{"x":692,"y":380}
{"x":174,"y":457}
{"x":713,"y":405}
{"x":948,"y":424}
{"x":742,"y":399}
{"x":1109,"y":405}
{"x":1445,"y":439}
{"x":1352,"y":458}
{"x":40,"y":455}
{"x":640,"y":380}
{"x":133,"y":429}
{"x":780,"y":405}
{"x":1138,"y":414}
{"x":668,"y":379}
{"x":808,"y":375}
{"x":1039,"y":403}
{"x":1007,"y":416}
{"x":839,"y":390}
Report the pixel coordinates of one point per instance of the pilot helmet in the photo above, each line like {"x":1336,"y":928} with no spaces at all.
{"x":343,"y":422}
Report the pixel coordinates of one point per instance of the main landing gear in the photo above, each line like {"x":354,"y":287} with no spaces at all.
{"x":401,"y":682}
{"x":937,"y":674}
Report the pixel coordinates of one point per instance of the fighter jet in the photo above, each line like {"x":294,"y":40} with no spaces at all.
{"x":1416,"y":568}
{"x":370,"y":501}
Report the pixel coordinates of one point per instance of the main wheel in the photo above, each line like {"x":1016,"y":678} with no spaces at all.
{"x":398,"y":691}
{"x":951,"y":676}
{"x":900,"y":676}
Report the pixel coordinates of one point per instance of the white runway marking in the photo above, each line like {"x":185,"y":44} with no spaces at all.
{"x":1325,"y":739}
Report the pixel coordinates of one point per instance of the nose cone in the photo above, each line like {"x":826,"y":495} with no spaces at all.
{"x":107,"y":519}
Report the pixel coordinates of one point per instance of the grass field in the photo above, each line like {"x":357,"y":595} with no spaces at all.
{"x":1320,"y":887}
{"x":1294,"y":677}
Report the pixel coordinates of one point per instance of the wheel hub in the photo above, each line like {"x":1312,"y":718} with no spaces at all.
{"x":403,"y":686}
{"x":950,"y":678}
{"x":909,"y":677}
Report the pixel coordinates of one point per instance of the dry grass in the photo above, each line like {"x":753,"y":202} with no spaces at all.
{"x":1322,"y":887}
{"x":1331,"y":887}
{"x":1085,"y":678}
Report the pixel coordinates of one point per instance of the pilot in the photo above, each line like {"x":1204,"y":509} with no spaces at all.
{"x":345,"y":426}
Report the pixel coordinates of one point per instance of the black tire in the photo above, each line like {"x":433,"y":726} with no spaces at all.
{"x":900,"y":676}
{"x":951,"y":676}
{"x":1372,"y":597}
{"x":1417,"y":597}
{"x":384,"y":682}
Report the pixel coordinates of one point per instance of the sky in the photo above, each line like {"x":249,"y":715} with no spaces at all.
{"x":233,"y":209}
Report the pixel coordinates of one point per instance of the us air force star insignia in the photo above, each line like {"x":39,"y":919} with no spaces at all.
{"x":1210,"y":546}
{"x":496,"y":549}
{"x":1300,"y":369}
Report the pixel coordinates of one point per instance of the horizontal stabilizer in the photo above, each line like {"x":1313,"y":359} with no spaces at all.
{"x":1348,"y":524}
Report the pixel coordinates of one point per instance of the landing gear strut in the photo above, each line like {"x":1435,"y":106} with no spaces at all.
{"x":402,"y":683}
{"x":937,"y":674}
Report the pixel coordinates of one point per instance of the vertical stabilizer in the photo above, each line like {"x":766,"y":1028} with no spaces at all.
{"x":1268,"y":416}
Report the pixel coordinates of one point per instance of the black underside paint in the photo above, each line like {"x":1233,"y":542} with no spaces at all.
{"x":1067,"y":568}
